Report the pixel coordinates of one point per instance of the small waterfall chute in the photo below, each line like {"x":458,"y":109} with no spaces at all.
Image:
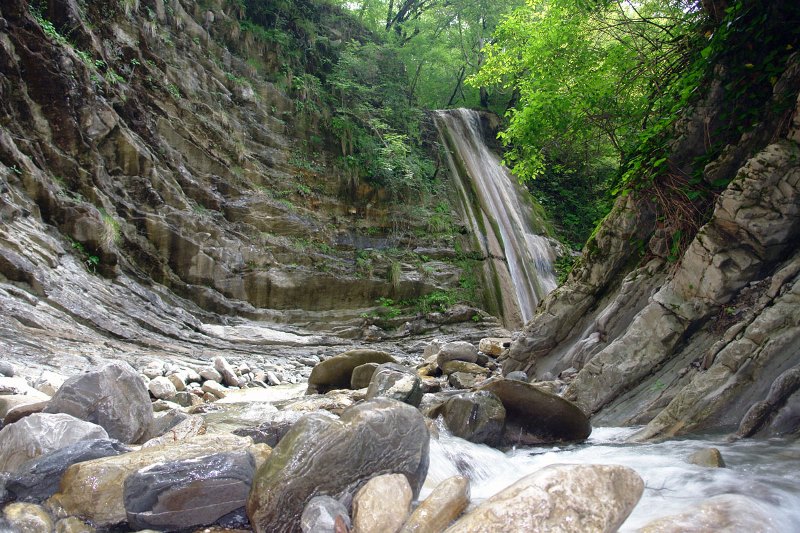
{"x":499,"y":214}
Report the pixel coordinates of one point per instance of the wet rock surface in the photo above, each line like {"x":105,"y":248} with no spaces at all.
{"x":125,"y":414}
{"x":191,"y":492}
{"x":534,"y":415}
{"x":316,"y":457}
{"x":590,"y":498}
{"x":40,"y":434}
{"x":397,"y":382}
{"x":38,"y":479}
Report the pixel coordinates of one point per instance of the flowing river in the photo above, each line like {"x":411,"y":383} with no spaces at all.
{"x":767,"y":472}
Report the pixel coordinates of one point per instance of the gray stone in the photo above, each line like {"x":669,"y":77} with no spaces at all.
{"x":464,"y":380}
{"x":227,"y":372}
{"x":272,"y":378}
{"x":42,"y":433}
{"x":575,"y":498}
{"x":113,"y":397}
{"x":321,"y":513}
{"x":475,"y":416}
{"x":215,"y":389}
{"x":178,"y":381}
{"x":336,"y":372}
{"x":176,"y":428}
{"x":519,"y":375}
{"x":317,"y":457}
{"x":382,"y":505}
{"x":191,"y":492}
{"x":362,"y":375}
{"x":6,"y":369}
{"x":535,"y":416}
{"x":210,"y":374}
{"x":271,"y":431}
{"x":38,"y":479}
{"x":457,"y":351}
{"x":397,"y":382}
{"x":153,"y":369}
{"x":446,"y":503}
{"x":162,"y":388}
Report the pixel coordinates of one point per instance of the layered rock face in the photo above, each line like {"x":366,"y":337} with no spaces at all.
{"x":153,"y":183}
{"x":690,"y":344}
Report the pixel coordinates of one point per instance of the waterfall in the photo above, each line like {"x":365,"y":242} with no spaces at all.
{"x":518,"y":270}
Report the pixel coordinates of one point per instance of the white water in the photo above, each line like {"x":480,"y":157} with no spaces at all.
{"x":765,"y":471}
{"x":503,"y":221}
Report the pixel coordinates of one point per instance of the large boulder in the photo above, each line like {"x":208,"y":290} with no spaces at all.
{"x":27,"y":518}
{"x":320,"y":456}
{"x":535,"y":416}
{"x":114,"y":397}
{"x":336,"y":372}
{"x":189,"y":492}
{"x":397,"y":382}
{"x":94,"y":489}
{"x":38,"y":479}
{"x":446,"y":503}
{"x":575,"y":498}
{"x":42,"y":433}
{"x":475,"y":416}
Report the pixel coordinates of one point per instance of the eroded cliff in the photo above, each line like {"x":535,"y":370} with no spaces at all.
{"x":688,"y":338}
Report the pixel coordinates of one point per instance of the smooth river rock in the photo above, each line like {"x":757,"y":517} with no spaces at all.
{"x":457,"y":351}
{"x":190,"y":492}
{"x":382,"y":505}
{"x":94,"y":489}
{"x":362,"y":375}
{"x":446,"y":503}
{"x":38,"y":479}
{"x":397,"y":382}
{"x":114,"y":397}
{"x":336,"y":372}
{"x":42,"y":433}
{"x":475,"y":416}
{"x":559,"y":498}
{"x":321,"y":456}
{"x":535,"y":416}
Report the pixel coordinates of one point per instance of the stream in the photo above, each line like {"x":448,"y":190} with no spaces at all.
{"x":767,"y":472}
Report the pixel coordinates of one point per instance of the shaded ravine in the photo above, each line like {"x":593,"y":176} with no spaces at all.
{"x":518,"y":266}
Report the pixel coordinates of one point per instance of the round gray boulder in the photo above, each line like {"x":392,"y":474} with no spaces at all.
{"x":113,"y":397}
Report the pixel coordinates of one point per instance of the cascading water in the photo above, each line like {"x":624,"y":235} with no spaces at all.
{"x":762,"y":474}
{"x":518,"y":271}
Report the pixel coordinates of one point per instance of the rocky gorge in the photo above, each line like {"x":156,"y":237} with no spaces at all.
{"x":200,"y":321}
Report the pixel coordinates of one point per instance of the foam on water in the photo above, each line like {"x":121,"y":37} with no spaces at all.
{"x":767,"y":472}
